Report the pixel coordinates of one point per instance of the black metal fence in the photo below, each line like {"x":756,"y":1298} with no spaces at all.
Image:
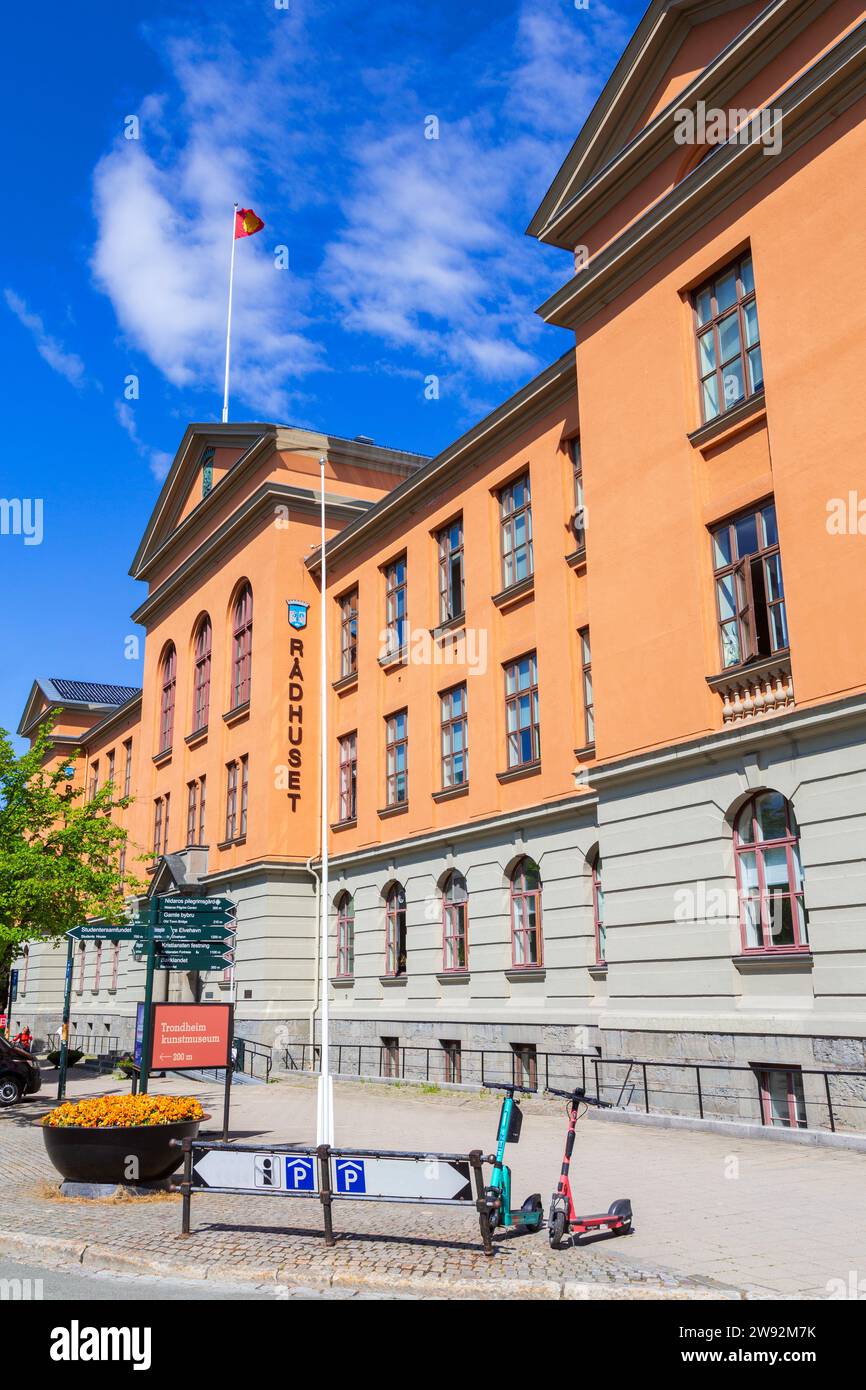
{"x":826,"y":1099}
{"x":91,"y":1044}
{"x":253,"y":1058}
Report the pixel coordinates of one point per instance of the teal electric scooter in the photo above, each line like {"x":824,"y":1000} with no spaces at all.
{"x":497,"y":1194}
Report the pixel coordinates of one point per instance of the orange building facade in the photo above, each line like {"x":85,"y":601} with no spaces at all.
{"x":597,"y":685}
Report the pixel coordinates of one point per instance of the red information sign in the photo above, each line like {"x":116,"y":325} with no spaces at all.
{"x":190,"y":1035}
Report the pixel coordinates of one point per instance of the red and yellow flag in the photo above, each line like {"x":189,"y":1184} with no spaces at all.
{"x":247,"y":223}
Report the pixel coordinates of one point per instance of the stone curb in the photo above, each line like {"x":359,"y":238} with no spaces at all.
{"x":58,"y":1253}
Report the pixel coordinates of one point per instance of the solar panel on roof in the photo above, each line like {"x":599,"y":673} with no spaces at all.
{"x":94,"y":692}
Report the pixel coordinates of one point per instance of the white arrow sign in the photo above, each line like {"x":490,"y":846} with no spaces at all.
{"x":246,"y":1171}
{"x":428,"y":1178}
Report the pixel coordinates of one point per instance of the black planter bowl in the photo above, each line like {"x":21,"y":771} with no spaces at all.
{"x":102,"y":1155}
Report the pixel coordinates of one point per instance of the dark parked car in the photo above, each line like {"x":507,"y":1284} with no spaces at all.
{"x":19,"y":1073}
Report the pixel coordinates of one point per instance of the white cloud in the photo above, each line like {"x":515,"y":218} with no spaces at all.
{"x":164,"y":236}
{"x":158,"y":460}
{"x":67,"y":364}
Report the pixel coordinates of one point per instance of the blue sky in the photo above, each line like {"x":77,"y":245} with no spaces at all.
{"x":406,"y":255}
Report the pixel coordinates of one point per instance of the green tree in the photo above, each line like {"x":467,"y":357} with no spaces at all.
{"x":59,"y":850}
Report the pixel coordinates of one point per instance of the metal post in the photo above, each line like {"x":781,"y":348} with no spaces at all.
{"x":325,"y":1089}
{"x":64,"y":1027}
{"x":186,"y":1185}
{"x":228,"y":1086}
{"x":147,"y":1027}
{"x":323,"y":1153}
{"x":475,"y":1160}
{"x":645,"y":1088}
{"x":700,"y":1092}
{"x":829,"y":1102}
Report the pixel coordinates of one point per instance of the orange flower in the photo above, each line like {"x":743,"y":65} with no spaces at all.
{"x":120,"y":1112}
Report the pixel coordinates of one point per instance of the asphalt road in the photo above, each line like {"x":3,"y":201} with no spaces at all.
{"x":60,"y":1285}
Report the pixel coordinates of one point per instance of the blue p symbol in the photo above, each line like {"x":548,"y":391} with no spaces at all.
{"x":350,"y":1176}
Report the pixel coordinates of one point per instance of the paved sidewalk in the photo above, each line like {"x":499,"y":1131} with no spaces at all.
{"x":714,"y":1214}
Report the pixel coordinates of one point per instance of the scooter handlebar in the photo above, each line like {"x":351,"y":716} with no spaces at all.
{"x":577,"y":1095}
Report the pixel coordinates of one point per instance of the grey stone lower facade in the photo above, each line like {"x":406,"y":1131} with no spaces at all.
{"x":678,"y":987}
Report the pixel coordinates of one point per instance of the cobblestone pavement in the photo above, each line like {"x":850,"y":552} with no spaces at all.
{"x":713,"y":1214}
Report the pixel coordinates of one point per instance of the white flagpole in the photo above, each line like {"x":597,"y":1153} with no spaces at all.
{"x":229,"y":319}
{"x":325,"y":1095}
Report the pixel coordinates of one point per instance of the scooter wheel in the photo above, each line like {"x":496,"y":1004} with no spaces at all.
{"x":622,"y":1208}
{"x":556,"y":1229}
{"x":492,"y":1219}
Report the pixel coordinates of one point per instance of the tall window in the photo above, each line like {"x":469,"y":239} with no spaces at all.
{"x":454,"y":736}
{"x":245,"y":795}
{"x":770,"y":876}
{"x":451,"y":597}
{"x":526,"y":915}
{"x":515,"y":513}
{"x":231,"y":801}
{"x":526,"y":946}
{"x":397,"y":758}
{"x":127,"y":767}
{"x":729,"y":350}
{"x":598,"y":911}
{"x":201,"y":679}
{"x":349,"y":633}
{"x":395,"y":606}
{"x":158,"y":814}
{"x":348,"y":776}
{"x":97,"y":966}
{"x":82,"y":962}
{"x":586,"y":683}
{"x":121,"y":864}
{"x":166,"y":801}
{"x":578,"y":520}
{"x":191,"y":812}
{"x":110,"y":773}
{"x":525,"y":1065}
{"x":521,"y":712}
{"x":395,"y":931}
{"x":202,"y":796}
{"x":115,"y":966}
{"x":345,"y":935}
{"x":452,"y":1060}
{"x":750,"y":592}
{"x":455,"y":923}
{"x":242,"y":647}
{"x":94,"y":780}
{"x":207,"y":471}
{"x":166,"y":709}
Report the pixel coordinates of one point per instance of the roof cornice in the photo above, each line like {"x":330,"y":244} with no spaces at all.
{"x":769,"y":33}
{"x":625,"y":95}
{"x":555,"y":384}
{"x":803,"y":108}
{"x":244,"y":518}
{"x":263,"y":439}
{"x":117,"y":715}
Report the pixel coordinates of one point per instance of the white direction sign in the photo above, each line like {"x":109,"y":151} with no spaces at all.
{"x":429,"y":1178}
{"x":247,"y":1171}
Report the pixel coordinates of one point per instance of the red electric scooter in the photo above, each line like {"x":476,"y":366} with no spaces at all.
{"x":563,"y":1217}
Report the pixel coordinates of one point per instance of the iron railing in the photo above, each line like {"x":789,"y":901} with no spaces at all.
{"x":833,"y":1100}
{"x":253,"y":1058}
{"x":91,"y":1044}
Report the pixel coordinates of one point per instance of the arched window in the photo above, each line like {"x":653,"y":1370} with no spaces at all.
{"x":201,"y":679}
{"x":166,"y":709}
{"x":770,"y":876}
{"x":455,"y":923}
{"x":598,"y":910}
{"x":242,"y":647}
{"x":345,"y":935}
{"x":526,"y":945}
{"x":395,"y":930}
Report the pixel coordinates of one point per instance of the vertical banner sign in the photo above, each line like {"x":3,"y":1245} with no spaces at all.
{"x":296,"y":713}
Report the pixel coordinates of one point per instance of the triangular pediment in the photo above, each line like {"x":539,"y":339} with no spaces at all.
{"x":674,"y":43}
{"x":182,"y":490}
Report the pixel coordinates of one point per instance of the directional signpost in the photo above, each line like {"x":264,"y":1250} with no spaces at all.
{"x":87,"y":931}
